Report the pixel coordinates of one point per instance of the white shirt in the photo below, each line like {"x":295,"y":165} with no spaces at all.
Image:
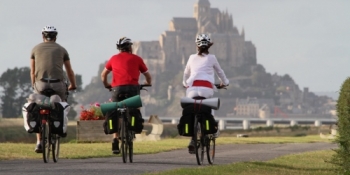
{"x":202,"y":68}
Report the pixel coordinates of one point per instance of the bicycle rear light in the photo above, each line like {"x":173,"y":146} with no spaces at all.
{"x":44,"y":111}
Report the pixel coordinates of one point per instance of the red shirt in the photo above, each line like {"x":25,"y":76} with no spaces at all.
{"x":126,"y":68}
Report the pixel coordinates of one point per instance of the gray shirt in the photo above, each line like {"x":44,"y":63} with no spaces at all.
{"x":49,"y":58}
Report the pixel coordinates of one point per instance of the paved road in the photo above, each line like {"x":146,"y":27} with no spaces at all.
{"x":225,"y":154}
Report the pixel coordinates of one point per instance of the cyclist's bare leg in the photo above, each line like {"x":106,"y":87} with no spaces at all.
{"x":115,"y":136}
{"x":38,"y":148}
{"x":115,"y":144}
{"x":38,"y":137}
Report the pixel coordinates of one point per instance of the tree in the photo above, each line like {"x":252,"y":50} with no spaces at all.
{"x":16,"y":87}
{"x":341,"y":157}
{"x":286,"y":77}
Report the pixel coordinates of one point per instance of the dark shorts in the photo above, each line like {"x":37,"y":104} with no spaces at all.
{"x":120,"y":93}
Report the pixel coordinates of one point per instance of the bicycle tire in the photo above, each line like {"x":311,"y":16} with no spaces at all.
{"x":55,"y":147}
{"x":199,"y":149}
{"x":123,"y":141}
{"x":131,"y":146}
{"x":45,"y":141}
{"x":210,"y":149}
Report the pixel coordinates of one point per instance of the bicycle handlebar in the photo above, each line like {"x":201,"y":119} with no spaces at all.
{"x":220,"y":87}
{"x":141,"y":87}
{"x":144,"y":85}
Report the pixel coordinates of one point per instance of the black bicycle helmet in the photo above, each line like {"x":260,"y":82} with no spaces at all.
{"x":124,"y":44}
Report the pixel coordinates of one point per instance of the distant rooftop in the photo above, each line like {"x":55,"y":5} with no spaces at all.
{"x":204,"y":2}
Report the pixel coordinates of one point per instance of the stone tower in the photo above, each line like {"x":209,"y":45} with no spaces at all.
{"x":201,"y":9}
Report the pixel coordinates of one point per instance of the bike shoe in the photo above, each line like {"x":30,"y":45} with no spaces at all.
{"x":38,"y":148}
{"x":115,"y":147}
{"x":191,"y":147}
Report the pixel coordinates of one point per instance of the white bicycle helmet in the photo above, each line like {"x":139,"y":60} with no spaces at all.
{"x":124,"y":43}
{"x":49,"y":32}
{"x":49,"y":29}
{"x":203,"y":40}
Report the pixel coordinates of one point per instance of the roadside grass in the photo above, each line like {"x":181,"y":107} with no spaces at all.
{"x":89,"y":150}
{"x":309,"y":163}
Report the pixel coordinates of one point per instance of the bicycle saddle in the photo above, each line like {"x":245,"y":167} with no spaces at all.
{"x":48,"y":92}
{"x":198,"y":98}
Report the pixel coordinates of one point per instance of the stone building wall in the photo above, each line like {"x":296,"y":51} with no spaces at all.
{"x":177,"y":43}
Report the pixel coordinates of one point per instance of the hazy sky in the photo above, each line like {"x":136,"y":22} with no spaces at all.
{"x":308,"y":40}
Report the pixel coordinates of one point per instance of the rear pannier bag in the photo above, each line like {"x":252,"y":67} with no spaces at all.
{"x":31,"y":119}
{"x":209,"y":123}
{"x":110,"y":125}
{"x":186,"y":123}
{"x":185,"y":126}
{"x":58,"y":118}
{"x":135,"y":120}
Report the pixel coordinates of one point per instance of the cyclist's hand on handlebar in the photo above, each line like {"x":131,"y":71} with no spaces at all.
{"x":108,"y":86}
{"x":146,"y":83}
{"x":222,"y":85}
{"x":70,"y":87}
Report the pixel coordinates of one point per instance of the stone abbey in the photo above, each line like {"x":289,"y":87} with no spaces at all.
{"x":176,"y":44}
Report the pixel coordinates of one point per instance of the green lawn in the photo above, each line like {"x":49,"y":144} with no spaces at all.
{"x":310,"y":163}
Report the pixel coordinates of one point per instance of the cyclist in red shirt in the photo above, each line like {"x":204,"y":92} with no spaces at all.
{"x":126,"y":68}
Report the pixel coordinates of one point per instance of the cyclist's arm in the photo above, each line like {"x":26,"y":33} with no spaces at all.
{"x":221,"y":74}
{"x":148,"y":78}
{"x":70,"y":74}
{"x":187,"y":73}
{"x":32,"y":71}
{"x":104,"y":74}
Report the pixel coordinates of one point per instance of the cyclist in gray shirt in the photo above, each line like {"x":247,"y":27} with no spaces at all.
{"x":46,"y":63}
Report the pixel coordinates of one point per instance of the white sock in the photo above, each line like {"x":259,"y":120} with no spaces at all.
{"x":37,"y":142}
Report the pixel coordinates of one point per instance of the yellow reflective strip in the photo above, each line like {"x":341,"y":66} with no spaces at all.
{"x":186,"y":128}
{"x":110,"y":124}
{"x":132,"y":121}
{"x":207,"y":124}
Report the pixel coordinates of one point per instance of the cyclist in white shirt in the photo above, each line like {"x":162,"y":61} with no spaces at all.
{"x":199,"y":74}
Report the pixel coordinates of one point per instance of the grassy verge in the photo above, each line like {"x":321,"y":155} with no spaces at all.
{"x":310,"y":163}
{"x":89,"y":150}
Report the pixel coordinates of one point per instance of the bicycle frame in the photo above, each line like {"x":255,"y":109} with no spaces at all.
{"x":126,"y":135}
{"x":202,"y":140}
{"x":50,"y":142}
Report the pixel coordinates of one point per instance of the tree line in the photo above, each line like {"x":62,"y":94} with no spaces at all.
{"x":15,"y":88}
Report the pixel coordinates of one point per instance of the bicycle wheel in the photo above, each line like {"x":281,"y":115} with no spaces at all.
{"x":131,"y":145}
{"x":210,"y":146}
{"x":55,"y":140}
{"x":45,"y":141}
{"x":124,"y":144}
{"x":198,"y":141}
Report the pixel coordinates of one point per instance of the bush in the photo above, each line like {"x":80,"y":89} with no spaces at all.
{"x":341,"y":158}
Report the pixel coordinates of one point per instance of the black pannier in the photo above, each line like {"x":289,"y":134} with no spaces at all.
{"x":110,"y":125}
{"x":186,"y":123}
{"x":209,"y":123}
{"x":135,"y":120}
{"x":33,"y":119}
{"x":57,"y":119}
